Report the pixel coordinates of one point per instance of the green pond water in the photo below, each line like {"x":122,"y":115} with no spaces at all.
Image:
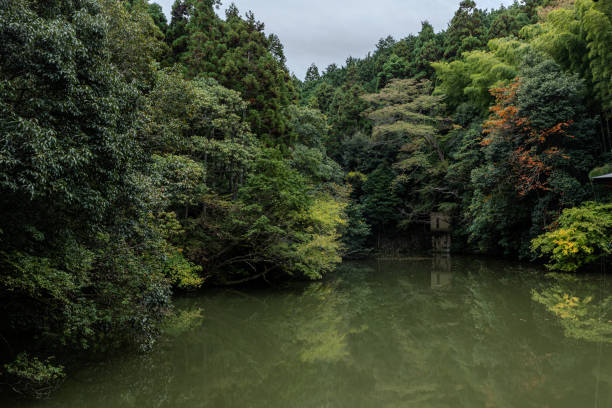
{"x":422,"y":332}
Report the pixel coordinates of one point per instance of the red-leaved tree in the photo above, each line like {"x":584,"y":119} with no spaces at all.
{"x":527,"y":150}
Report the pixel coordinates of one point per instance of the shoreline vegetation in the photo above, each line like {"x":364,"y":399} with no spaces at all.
{"x":140,"y":157}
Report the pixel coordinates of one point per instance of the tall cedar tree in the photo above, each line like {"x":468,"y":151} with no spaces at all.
{"x":238,"y":54}
{"x":465,"y":31}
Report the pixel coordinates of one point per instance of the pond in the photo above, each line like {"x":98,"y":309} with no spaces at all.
{"x":419,"y":332}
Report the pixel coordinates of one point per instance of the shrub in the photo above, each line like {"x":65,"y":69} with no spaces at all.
{"x":32,"y":377}
{"x":582,"y":236}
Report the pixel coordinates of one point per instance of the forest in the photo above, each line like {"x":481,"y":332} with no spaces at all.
{"x":142,"y":158}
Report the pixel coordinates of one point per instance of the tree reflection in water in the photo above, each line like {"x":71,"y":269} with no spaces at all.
{"x":435,"y":332}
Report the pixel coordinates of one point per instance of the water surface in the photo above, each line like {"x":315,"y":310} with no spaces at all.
{"x":421,"y":332}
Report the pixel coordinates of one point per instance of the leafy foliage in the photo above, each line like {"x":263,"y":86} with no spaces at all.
{"x":580,"y":237}
{"x":85,"y":259}
{"x":238,"y":54}
{"x":535,"y":154}
{"x":33,"y":377}
{"x":581,"y":310}
{"x":140,"y":157}
{"x":408,"y":123}
{"x":506,"y":140}
{"x":133,"y":181}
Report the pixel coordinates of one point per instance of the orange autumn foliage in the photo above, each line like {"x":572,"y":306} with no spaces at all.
{"x":532,"y":151}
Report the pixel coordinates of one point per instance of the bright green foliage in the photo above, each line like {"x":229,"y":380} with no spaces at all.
{"x":581,"y":312}
{"x":580,"y":237}
{"x":320,"y":251}
{"x":470,"y":78}
{"x":579,"y":38}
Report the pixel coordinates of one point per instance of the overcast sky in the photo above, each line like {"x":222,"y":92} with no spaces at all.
{"x":328,"y":31}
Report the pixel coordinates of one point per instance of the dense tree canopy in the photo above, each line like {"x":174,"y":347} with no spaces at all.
{"x":85,"y":260}
{"x":140,"y":157}
{"x":121,"y":181}
{"x":516,"y":122}
{"x":238,"y":54}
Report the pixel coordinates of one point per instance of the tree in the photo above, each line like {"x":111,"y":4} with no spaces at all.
{"x":465,"y":31}
{"x":159,"y":18}
{"x":507,"y":22}
{"x":134,"y":40}
{"x":428,"y":48}
{"x":394,"y":67}
{"x":579,"y":237}
{"x":380,"y":201}
{"x":537,"y":156}
{"x":85,"y":259}
{"x":309,"y":155}
{"x":312,"y":74}
{"x":246,"y":212}
{"x":469,"y":79}
{"x":345,"y":117}
{"x":237,"y":53}
{"x":578,"y":38}
{"x":408,"y":123}
{"x":285,"y":228}
{"x":204,"y":150}
{"x":177,"y":35}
